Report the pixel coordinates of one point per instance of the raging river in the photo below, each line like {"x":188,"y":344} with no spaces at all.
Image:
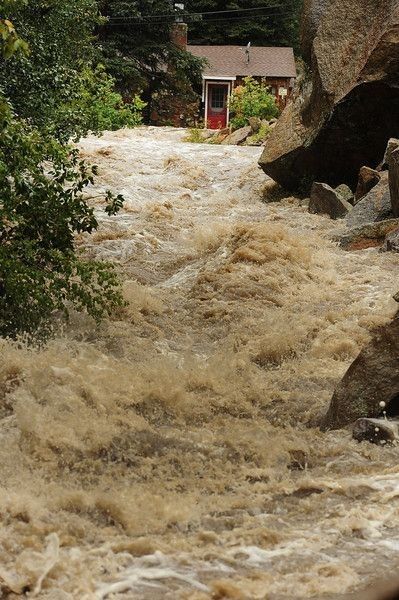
{"x":172,"y":452}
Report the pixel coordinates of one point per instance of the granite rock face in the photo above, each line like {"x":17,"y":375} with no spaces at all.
{"x":326,"y":201}
{"x":371,"y":385}
{"x":374,"y":207}
{"x":345,"y":112}
{"x":368,"y":178}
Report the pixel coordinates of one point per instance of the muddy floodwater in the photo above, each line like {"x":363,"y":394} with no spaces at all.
{"x":167,"y":453}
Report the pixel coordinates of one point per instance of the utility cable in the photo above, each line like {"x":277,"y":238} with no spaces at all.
{"x":198,"y":14}
{"x":221,"y":20}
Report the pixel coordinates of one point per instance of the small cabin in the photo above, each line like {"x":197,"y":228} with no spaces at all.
{"x":227,"y":66}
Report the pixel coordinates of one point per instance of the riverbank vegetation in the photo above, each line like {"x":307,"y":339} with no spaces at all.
{"x":70,"y":68}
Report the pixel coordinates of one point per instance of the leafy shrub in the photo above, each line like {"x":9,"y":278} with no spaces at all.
{"x":41,"y":208}
{"x":252,"y":99}
{"x":96,"y":106}
{"x":195,"y":136}
{"x":259,"y":137}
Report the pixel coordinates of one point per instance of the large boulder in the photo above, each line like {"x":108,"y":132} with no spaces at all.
{"x":238,"y":137}
{"x":392,"y":241}
{"x":371,"y":385}
{"x":374,"y":207}
{"x":324,"y":200}
{"x":394,"y":181}
{"x":368,"y":178}
{"x":371,"y":235}
{"x":345,"y":112}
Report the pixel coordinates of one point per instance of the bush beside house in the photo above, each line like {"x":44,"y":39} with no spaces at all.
{"x":252,"y":99}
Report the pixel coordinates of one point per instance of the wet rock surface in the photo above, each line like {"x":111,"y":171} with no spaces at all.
{"x":345,"y":113}
{"x":372,"y":379}
{"x":375,"y":206}
{"x":392,"y":241}
{"x":371,"y":235}
{"x":325,"y":200}
{"x":238,"y":137}
{"x":368,"y":178}
{"x":393,"y":165}
{"x":376,"y":431}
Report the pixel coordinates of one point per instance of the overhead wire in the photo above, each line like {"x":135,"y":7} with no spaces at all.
{"x":222,"y":19}
{"x":195,"y":14}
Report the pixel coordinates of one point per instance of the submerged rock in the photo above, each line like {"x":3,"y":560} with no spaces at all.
{"x":348,"y":108}
{"x":370,"y":235}
{"x":324,"y":200}
{"x":376,"y":431}
{"x":372,"y":379}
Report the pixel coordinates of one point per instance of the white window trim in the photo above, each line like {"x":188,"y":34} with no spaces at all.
{"x":214,"y":78}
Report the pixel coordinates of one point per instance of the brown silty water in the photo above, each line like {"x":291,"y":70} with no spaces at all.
{"x":168,"y":453}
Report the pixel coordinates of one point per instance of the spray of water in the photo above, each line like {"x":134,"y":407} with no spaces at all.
{"x":167,"y":453}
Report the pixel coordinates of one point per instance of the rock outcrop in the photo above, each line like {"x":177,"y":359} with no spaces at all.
{"x":374,"y":207}
{"x":394,"y":181}
{"x":371,"y":235}
{"x":392,"y":241}
{"x":368,"y":178}
{"x":238,"y":137}
{"x":372,"y":379}
{"x":326,"y":201}
{"x":347,"y":110}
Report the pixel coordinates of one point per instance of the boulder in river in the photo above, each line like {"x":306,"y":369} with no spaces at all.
{"x":324,"y":200}
{"x":371,"y":235}
{"x":375,"y":206}
{"x":368,"y":178}
{"x":371,"y":384}
{"x":393,"y":165}
{"x":393,"y":144}
{"x":348,"y":108}
{"x":345,"y":193}
{"x":392,"y":241}
{"x":238,"y":137}
{"x":376,"y":431}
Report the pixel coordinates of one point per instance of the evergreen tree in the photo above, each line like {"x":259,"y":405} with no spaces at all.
{"x":138,"y":51}
{"x":275,"y":25}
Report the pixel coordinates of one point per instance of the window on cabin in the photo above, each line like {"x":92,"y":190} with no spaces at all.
{"x":218,"y":97}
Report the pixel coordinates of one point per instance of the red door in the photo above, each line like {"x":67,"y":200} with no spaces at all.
{"x":217,"y":105}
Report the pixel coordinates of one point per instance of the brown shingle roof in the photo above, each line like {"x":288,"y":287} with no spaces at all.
{"x":231,"y":61}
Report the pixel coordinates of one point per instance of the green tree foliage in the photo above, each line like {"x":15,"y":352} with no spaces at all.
{"x":95,"y":106}
{"x":55,"y":86}
{"x":277,"y":25}
{"x":42,"y":207}
{"x":252,"y":99}
{"x":138,"y":51}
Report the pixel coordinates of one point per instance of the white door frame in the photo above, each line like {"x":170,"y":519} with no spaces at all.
{"x":206,"y":81}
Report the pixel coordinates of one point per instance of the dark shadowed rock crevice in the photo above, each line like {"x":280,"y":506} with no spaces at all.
{"x":349,"y":107}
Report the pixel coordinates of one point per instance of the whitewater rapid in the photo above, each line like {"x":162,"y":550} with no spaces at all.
{"x":171,"y":452}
